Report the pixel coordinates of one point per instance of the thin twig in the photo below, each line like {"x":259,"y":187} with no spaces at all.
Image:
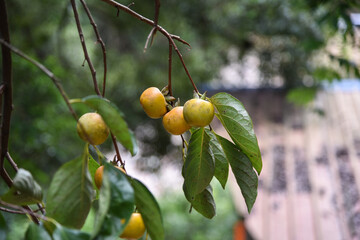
{"x":156,"y":20}
{"x":159,"y":28}
{"x":26,"y":210}
{"x":113,"y":138}
{"x":50,"y":74}
{"x":99,"y":40}
{"x":12,"y":211}
{"x":83,"y":44}
{"x":170,"y":62}
{"x":148,"y":38}
{"x":11,"y":161}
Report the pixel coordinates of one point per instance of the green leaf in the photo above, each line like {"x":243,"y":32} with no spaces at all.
{"x":301,"y":96}
{"x":63,"y":233}
{"x":3,"y":227}
{"x":149,"y":209}
{"x":242,"y":168}
{"x":71,"y":192}
{"x":203,"y":202}
{"x":36,"y":232}
{"x":199,"y":166}
{"x":238,"y":124}
{"x":221,"y":163}
{"x":116,"y":204}
{"x":113,"y":118}
{"x":24,"y":191}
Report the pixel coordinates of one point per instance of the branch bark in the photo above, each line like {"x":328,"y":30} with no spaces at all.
{"x":86,"y":54}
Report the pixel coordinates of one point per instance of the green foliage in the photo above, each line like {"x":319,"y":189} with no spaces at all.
{"x":3,"y":227}
{"x":113,"y":118}
{"x":25,"y":190}
{"x":35,"y":232}
{"x":301,"y":96}
{"x":241,"y":166}
{"x":116,"y":203}
{"x":199,"y":166}
{"x":149,"y":209}
{"x":221,"y":163}
{"x":238,"y":125}
{"x":180,"y":225}
{"x":71,"y":192}
{"x":203,"y":202}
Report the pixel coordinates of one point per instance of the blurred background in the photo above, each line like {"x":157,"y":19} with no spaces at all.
{"x":293,"y":63}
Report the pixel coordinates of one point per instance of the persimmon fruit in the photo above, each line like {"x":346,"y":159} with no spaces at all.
{"x":153,"y":102}
{"x":99,"y":175}
{"x":198,"y":112}
{"x":174,"y":121}
{"x":92,"y":128}
{"x":135,"y":228}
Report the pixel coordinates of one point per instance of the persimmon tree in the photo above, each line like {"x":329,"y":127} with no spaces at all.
{"x":91,"y":180}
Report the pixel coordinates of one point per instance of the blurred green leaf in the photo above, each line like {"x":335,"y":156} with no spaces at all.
{"x":24,"y":191}
{"x":114,"y":119}
{"x":199,"y":166}
{"x":325,"y":73}
{"x":71,"y":192}
{"x":37,"y":232}
{"x":116,"y":204}
{"x":149,"y":209}
{"x":238,"y":124}
{"x":203,"y":202}
{"x":3,"y":227}
{"x":221,"y":163}
{"x":242,"y":168}
{"x":63,"y":233}
{"x":301,"y":96}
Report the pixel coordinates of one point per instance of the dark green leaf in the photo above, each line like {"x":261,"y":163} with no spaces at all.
{"x":242,"y":168}
{"x":203,"y":202}
{"x":71,"y":192}
{"x":149,"y":209}
{"x":3,"y":227}
{"x":114,"y":120}
{"x":199,"y":166}
{"x":221,"y":163}
{"x":24,"y":190}
{"x":116,"y":203}
{"x":37,"y":232}
{"x":63,"y":233}
{"x":238,"y":124}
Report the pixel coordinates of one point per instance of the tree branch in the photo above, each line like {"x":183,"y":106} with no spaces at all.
{"x":83,"y":44}
{"x":51,"y":75}
{"x":119,"y":6}
{"x":170,"y":62}
{"x":92,"y":22}
{"x":7,"y":90}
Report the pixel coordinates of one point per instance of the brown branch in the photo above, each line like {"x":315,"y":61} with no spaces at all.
{"x":7,"y":91}
{"x":99,"y":40}
{"x":83,"y":44}
{"x":51,"y":75}
{"x":148,"y":38}
{"x":159,"y":28}
{"x":118,"y":157}
{"x":11,"y":161}
{"x":170,"y":62}
{"x":12,"y":211}
{"x":24,"y":210}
